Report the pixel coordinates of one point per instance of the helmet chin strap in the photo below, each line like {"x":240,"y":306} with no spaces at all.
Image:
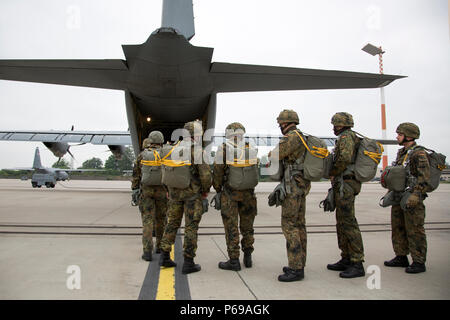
{"x":338,"y":132}
{"x":285,"y":130}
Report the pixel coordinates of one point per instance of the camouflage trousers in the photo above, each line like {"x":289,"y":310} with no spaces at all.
{"x":192,"y":210}
{"x":408,"y":232}
{"x":238,"y":207}
{"x":294,"y":228}
{"x":348,"y":234}
{"x":153,"y":208}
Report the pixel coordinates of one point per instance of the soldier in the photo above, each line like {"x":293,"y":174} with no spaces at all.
{"x":408,"y":233}
{"x":345,"y":188}
{"x":237,"y":194}
{"x":291,"y":153}
{"x":153,"y":195}
{"x":186,"y":200}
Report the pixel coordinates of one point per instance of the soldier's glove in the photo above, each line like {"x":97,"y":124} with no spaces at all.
{"x":413,"y":200}
{"x":135,"y":197}
{"x":217,"y":202}
{"x":277,"y":196}
{"x":205,"y":205}
{"x":389,"y":199}
{"x":328,"y":204}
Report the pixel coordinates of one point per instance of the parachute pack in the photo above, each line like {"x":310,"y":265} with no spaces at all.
{"x":395,"y":178}
{"x":151,"y":168}
{"x":176,"y":164}
{"x":316,"y":157}
{"x":368,"y":157}
{"x":437,"y":164}
{"x":242,"y":171}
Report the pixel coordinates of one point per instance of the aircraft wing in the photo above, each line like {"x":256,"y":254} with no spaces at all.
{"x":106,"y":74}
{"x":124,"y":138}
{"x":229,"y":77}
{"x":94,"y":137}
{"x":19,"y":169}
{"x":261,"y":140}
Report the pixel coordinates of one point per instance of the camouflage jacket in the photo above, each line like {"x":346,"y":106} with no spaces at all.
{"x":200,"y":177}
{"x":290,"y":148}
{"x":137,"y":175}
{"x":419,"y":165}
{"x":220,"y":168}
{"x":344,"y":152}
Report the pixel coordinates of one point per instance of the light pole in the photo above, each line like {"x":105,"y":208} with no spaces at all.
{"x":373,"y":50}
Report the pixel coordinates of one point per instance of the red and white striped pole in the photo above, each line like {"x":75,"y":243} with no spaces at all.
{"x":383,"y":113}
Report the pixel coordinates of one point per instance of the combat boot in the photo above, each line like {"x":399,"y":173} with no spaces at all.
{"x":248,"y":259}
{"x":158,"y":250}
{"x":353,"y":271}
{"x":147,"y":256}
{"x":189,"y":266}
{"x":232,"y":264}
{"x":416,"y":267}
{"x":398,"y":261}
{"x":165,"y":261}
{"x":341,"y":265}
{"x":291,"y":275}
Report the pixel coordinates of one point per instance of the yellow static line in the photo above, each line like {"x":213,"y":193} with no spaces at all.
{"x":166,"y":283}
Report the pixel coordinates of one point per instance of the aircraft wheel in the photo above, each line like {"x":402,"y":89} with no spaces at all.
{"x":34,"y":184}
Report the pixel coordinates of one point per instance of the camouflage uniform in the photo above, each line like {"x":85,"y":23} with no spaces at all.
{"x":189,"y":202}
{"x":293,"y":207}
{"x":345,"y":189}
{"x":152,"y":205}
{"x":408,"y":232}
{"x":235,"y":205}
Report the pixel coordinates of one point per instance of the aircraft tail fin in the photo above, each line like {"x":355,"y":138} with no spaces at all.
{"x":37,"y":160}
{"x":179,"y":14}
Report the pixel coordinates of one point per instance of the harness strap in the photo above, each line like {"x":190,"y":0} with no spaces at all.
{"x":317,"y":151}
{"x":174,"y":163}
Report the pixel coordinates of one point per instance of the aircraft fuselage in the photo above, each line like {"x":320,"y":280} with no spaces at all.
{"x":169,"y":82}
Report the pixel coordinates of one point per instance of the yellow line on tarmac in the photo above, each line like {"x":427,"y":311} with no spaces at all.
{"x":166,"y":283}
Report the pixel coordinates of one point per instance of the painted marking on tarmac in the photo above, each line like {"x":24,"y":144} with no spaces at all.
{"x":166,"y":283}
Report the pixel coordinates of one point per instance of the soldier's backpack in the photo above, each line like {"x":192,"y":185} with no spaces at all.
{"x":151,"y":168}
{"x":367,"y":158}
{"x":437,"y":164}
{"x":242,"y":166}
{"x":316,"y":157}
{"x":176,"y":164}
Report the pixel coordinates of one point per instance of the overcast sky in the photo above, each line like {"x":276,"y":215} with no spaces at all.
{"x":323,"y":34}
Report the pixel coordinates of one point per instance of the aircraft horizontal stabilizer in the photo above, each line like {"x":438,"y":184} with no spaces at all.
{"x":229,"y":77}
{"x":106,"y":74}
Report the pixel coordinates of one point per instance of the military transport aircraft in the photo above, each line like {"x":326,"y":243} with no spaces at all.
{"x":48,"y":176}
{"x":167,"y":81}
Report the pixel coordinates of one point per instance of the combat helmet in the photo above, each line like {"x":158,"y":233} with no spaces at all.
{"x":234,"y":128}
{"x":409,"y":130}
{"x":146,"y":143}
{"x":156,"y":137}
{"x":342,"y":119}
{"x":288,"y":116}
{"x":194,"y":127}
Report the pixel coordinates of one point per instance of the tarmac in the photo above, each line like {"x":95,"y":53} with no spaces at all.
{"x":82,"y":241}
